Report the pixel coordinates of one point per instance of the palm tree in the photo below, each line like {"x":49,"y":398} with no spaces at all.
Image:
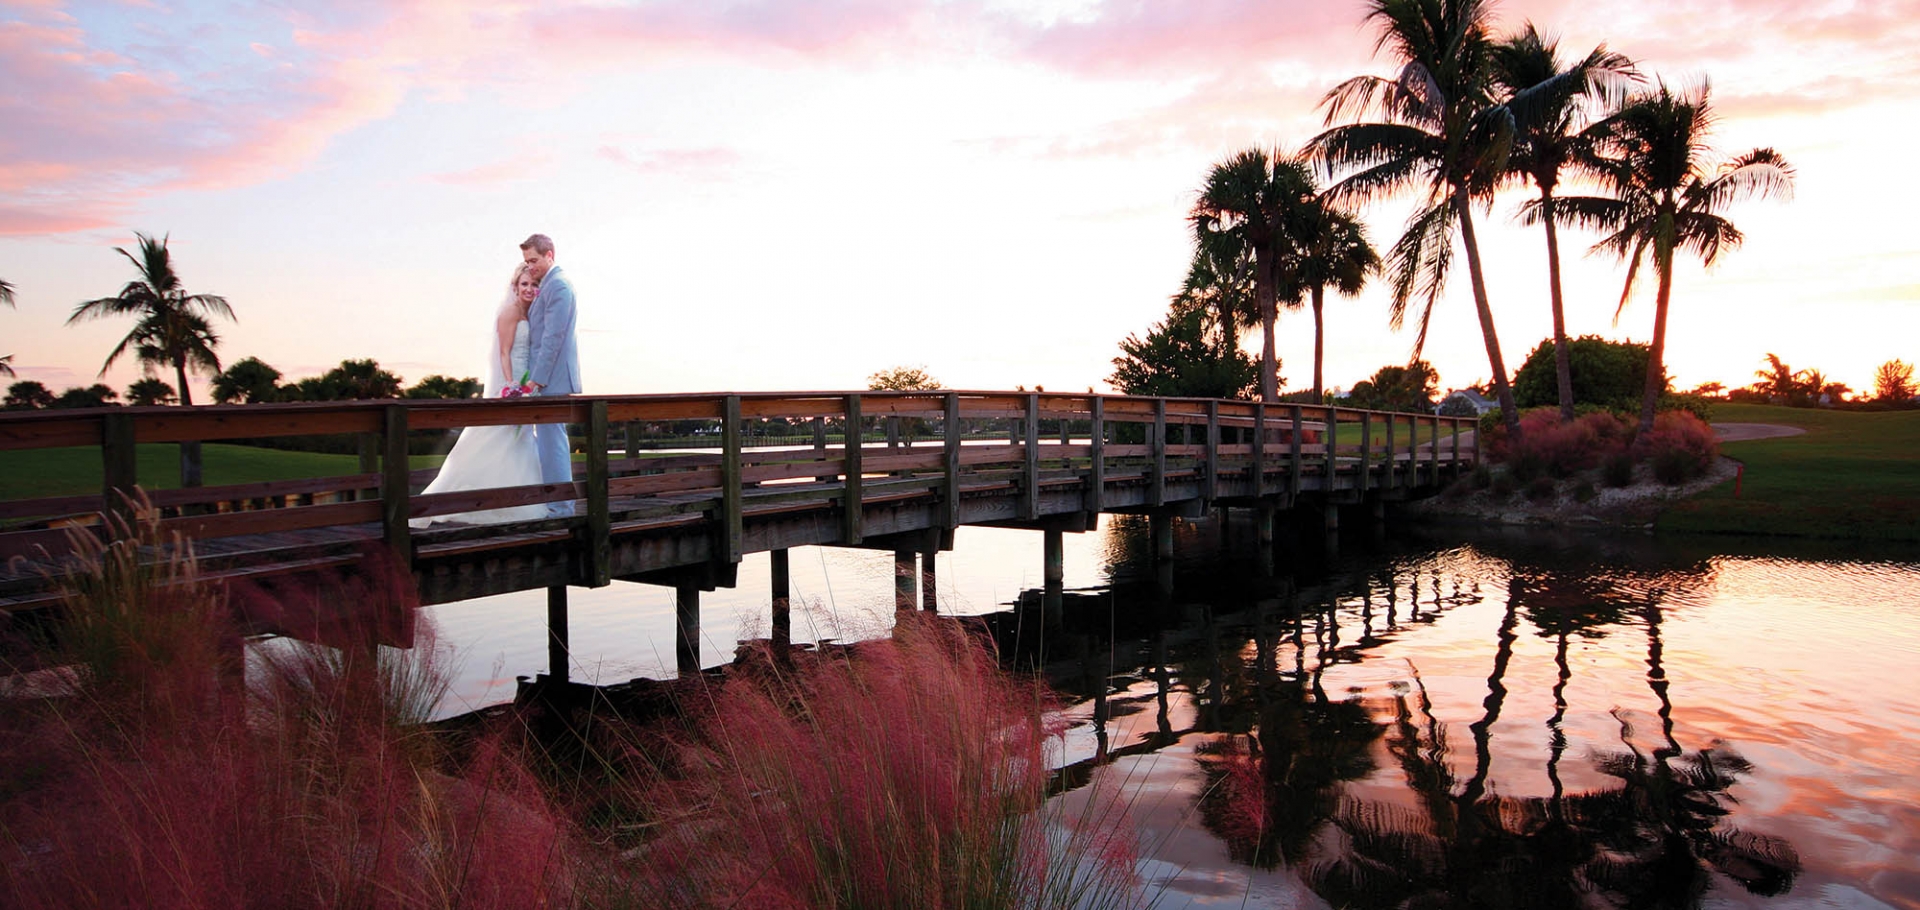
{"x":1331,"y":252}
{"x":1246,"y":205}
{"x":1666,"y":196}
{"x":1220,"y":283}
{"x":1439,"y":128}
{"x":1551,"y":105}
{"x":173,"y":329}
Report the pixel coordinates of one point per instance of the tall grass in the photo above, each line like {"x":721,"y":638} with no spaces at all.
{"x":177,"y":767}
{"x":904,"y":773}
{"x":166,"y":776}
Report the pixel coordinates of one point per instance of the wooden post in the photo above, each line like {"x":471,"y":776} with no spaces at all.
{"x":1392,"y":456}
{"x":1333,"y":425}
{"x":733,"y":530}
{"x":950,"y":508}
{"x":686,"y":620}
{"x":820,"y":449}
{"x":1161,"y":526}
{"x":1213,"y":450}
{"x":1260,"y":449}
{"x":558,"y":654}
{"x":1366,"y":452}
{"x":599,"y":511}
{"x":1097,"y":442}
{"x":119,"y":464}
{"x":782,"y":599}
{"x":1030,"y":489}
{"x":1456,"y":446}
{"x":393,"y":488}
{"x":1157,"y":444}
{"x":1263,"y":534}
{"x":1293,"y":455}
{"x":904,"y":577}
{"x":851,"y":496}
{"x":893,"y":432}
{"x":1433,"y":451}
{"x":1066,"y":431}
{"x":1413,"y":450}
{"x":630,"y":434}
{"x":1053,"y":575}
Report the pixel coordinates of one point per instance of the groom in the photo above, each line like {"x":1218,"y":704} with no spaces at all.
{"x":553,"y":364}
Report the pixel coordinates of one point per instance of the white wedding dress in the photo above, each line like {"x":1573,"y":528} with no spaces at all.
{"x":486,"y":458}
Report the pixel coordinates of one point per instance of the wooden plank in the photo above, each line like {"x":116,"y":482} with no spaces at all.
{"x":50,"y":507}
{"x":1157,"y":442}
{"x":216,"y":422}
{"x":696,"y":408}
{"x":1030,"y":485}
{"x":28,"y":544}
{"x":1129,"y":451}
{"x":850,"y":500}
{"x":599,"y":530}
{"x":649,"y":484}
{"x":393,"y":486}
{"x":39,"y":430}
{"x":1387,"y":482}
{"x":926,"y":460}
{"x":1097,"y":452}
{"x":950,"y":463}
{"x":271,"y":521}
{"x":979,"y":455}
{"x":486,"y":500}
{"x":732,"y":529}
{"x":791,"y":408}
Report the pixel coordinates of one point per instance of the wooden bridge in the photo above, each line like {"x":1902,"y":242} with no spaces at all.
{"x":675,"y":489}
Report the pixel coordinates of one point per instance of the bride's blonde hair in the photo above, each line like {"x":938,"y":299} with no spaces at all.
{"x":513,"y":289}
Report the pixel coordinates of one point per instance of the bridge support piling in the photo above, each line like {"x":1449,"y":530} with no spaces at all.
{"x":686,"y":620}
{"x":1053,"y":575}
{"x":1263,"y":535}
{"x":929,"y":600}
{"x":903,"y":578}
{"x":782,"y":600}
{"x":558,"y":654}
{"x":1377,"y":526}
{"x":1330,"y":527}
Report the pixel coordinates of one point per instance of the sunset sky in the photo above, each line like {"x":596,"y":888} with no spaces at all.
{"x":792,"y":195}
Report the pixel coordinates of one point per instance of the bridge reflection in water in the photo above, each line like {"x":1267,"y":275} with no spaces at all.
{"x":890,"y":471}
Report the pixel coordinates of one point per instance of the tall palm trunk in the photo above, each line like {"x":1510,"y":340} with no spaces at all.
{"x":1264,"y":292}
{"x":1656,"y":355}
{"x":1319,"y":339}
{"x":1562,"y":360}
{"x":1503,"y":390}
{"x":189,"y":451}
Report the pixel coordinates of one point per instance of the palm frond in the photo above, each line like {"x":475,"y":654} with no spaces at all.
{"x":1417,"y":266}
{"x":1759,"y":174}
{"x":6,"y":296}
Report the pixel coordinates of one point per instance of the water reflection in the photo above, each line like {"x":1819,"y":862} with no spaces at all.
{"x":1599,"y":755}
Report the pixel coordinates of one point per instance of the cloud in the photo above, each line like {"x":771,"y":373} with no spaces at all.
{"x":704,"y":163}
{"x":511,"y":170}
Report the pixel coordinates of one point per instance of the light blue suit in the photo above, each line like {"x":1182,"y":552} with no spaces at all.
{"x":554,"y":363}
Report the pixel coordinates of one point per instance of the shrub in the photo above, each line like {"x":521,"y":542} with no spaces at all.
{"x":1680,"y":446}
{"x":1617,"y":469}
{"x":1541,"y":489}
{"x":1583,"y":491}
{"x":1503,"y":485}
{"x":1610,"y":374}
{"x":1564,"y":448}
{"x":1481,"y":478}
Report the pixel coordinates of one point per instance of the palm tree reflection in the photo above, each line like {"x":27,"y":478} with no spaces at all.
{"x":1653,"y":836}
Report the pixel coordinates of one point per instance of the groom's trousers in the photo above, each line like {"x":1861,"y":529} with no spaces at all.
{"x":556,"y":460}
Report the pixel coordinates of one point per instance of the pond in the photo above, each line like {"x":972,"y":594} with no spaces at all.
{"x":1522,"y":720}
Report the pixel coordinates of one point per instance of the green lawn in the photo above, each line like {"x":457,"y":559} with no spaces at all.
{"x":1852,"y":475}
{"x":33,"y":473}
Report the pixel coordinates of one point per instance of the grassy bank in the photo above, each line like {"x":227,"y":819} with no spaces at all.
{"x":1852,"y":475}
{"x":34,"y":473}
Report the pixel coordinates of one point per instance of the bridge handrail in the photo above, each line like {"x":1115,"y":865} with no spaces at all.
{"x":1296,"y":440}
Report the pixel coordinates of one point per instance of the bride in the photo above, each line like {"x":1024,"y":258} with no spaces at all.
{"x":485,"y":458}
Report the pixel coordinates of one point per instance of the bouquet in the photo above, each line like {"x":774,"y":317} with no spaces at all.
{"x":521,"y":389}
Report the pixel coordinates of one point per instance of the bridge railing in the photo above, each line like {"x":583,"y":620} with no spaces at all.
{"x":856,"y":447}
